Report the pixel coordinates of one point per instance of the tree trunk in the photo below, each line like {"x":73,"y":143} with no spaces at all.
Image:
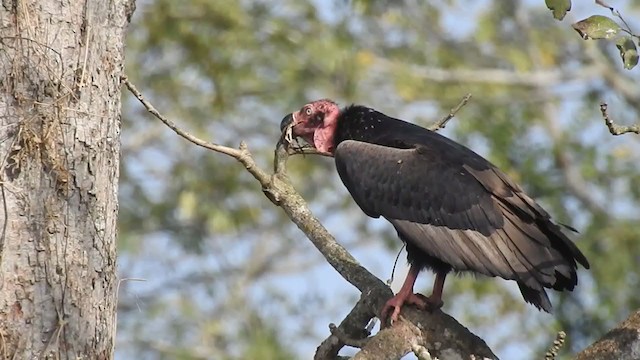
{"x":60,"y":68}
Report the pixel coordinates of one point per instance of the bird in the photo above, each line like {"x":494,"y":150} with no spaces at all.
{"x":454,"y":210}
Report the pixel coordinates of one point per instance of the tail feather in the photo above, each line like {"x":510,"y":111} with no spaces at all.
{"x":537,"y":297}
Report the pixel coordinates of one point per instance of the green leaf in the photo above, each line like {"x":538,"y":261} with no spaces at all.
{"x":558,"y":7}
{"x":628,"y":51}
{"x":597,"y":27}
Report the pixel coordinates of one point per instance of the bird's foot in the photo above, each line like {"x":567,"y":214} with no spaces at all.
{"x":432,"y":303}
{"x":420,"y":301}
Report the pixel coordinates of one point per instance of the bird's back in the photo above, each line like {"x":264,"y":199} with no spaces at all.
{"x":451,"y":206}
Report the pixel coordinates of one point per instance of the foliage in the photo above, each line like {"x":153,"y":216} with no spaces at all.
{"x":597,"y":27}
{"x":229,"y":277}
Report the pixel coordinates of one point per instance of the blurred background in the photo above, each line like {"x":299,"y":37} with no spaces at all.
{"x":227,"y":276}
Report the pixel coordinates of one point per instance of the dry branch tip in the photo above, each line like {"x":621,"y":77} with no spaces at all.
{"x":614,"y":128}
{"x":443,"y":122}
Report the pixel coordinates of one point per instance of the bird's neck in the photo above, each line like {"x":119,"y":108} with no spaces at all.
{"x":367,"y":125}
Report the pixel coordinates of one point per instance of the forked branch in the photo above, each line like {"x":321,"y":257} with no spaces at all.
{"x":436,"y":332}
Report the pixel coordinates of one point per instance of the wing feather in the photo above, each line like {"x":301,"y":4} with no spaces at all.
{"x":467,"y":214}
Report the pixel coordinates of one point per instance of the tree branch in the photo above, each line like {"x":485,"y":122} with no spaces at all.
{"x":443,"y":122}
{"x":615,"y":129}
{"x":352,"y":326}
{"x":439,"y":333}
{"x":622,"y":342}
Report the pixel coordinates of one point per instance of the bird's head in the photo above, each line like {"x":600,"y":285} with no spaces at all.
{"x":316,"y":123}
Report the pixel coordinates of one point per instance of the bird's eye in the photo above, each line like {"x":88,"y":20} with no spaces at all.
{"x":307,"y":111}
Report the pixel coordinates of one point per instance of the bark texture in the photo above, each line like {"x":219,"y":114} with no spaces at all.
{"x":60,"y":66}
{"x":621,"y":343}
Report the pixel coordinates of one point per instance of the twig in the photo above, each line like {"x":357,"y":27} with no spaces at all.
{"x":345,"y":339}
{"x":615,"y":129}
{"x":150,"y":108}
{"x":443,"y":122}
{"x":354,"y":325}
{"x":557,"y":344}
{"x":617,"y":14}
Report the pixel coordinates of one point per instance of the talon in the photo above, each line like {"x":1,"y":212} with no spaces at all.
{"x":406,"y":296}
{"x":397,"y":301}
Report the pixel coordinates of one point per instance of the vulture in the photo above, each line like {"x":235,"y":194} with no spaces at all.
{"x":454,"y":210}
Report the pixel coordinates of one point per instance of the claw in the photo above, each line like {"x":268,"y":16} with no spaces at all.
{"x":396,"y":303}
{"x":406,"y":296}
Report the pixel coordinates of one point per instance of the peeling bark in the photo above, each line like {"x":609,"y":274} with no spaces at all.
{"x":61,"y":63}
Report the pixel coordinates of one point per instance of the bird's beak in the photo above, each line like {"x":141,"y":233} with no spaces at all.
{"x":286,"y":121}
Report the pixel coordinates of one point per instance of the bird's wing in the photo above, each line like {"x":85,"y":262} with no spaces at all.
{"x":454,"y":205}
{"x":417,"y":185}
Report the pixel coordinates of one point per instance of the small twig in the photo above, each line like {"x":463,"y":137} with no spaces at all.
{"x":205,"y":144}
{"x":617,"y":14}
{"x":615,"y":129}
{"x":355,"y":325}
{"x":356,"y":343}
{"x":421,"y":352}
{"x":443,"y":122}
{"x":557,"y":344}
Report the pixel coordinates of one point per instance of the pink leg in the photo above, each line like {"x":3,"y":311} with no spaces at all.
{"x":434,"y":301}
{"x":406,"y":296}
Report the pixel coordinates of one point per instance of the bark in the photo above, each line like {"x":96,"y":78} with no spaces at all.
{"x":60,"y":66}
{"x":621,"y":343}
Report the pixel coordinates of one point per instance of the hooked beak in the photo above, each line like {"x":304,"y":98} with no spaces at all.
{"x":286,"y":121}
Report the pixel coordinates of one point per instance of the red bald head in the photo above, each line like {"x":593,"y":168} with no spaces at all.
{"x":316,"y":123}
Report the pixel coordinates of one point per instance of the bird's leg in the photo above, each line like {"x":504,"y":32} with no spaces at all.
{"x":434,"y":301}
{"x":404,"y":296}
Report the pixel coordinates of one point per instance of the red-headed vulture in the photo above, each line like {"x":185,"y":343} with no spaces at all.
{"x":454,"y":209}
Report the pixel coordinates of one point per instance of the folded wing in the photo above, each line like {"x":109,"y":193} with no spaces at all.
{"x":455,"y":206}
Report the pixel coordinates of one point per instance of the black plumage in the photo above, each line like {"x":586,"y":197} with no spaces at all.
{"x":453,"y":208}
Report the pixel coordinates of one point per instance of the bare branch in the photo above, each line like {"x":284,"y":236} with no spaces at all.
{"x":443,"y":122}
{"x":352,"y":326}
{"x":622,"y":342}
{"x":617,"y":14}
{"x":440,"y":334}
{"x":615,"y":129}
{"x":442,"y":331}
{"x":205,"y":144}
